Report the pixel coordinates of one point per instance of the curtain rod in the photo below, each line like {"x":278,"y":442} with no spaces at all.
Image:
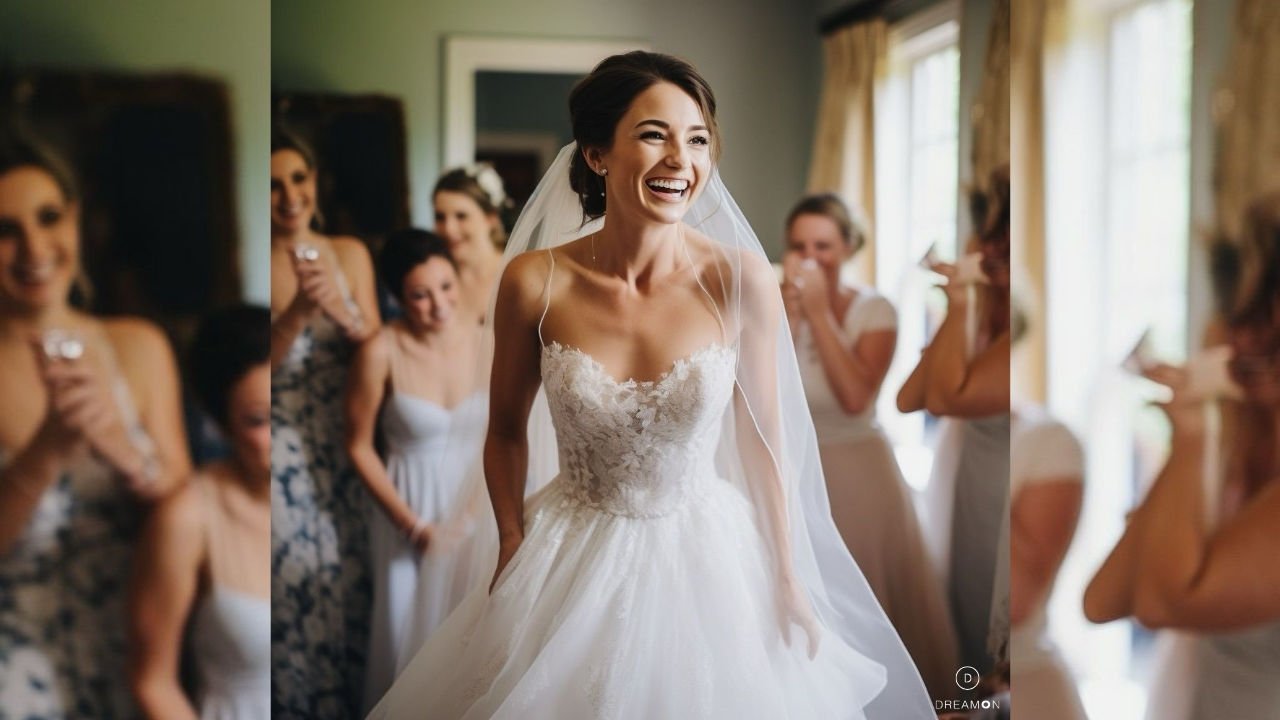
{"x":855,"y":12}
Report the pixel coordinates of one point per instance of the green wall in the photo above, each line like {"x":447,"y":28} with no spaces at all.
{"x":228,"y":40}
{"x":762,"y":57}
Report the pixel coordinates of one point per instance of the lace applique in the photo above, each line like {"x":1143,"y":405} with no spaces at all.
{"x":635,"y":448}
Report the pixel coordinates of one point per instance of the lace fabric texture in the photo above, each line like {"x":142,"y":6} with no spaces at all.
{"x":632,"y":448}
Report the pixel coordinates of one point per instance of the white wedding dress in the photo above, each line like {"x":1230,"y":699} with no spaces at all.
{"x":643,"y":587}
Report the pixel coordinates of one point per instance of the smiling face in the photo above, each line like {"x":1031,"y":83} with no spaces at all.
{"x":293,"y":192}
{"x":249,"y":420}
{"x":660,"y":159}
{"x":816,"y":237}
{"x":39,"y":240}
{"x":463,"y":223}
{"x":430,"y":294}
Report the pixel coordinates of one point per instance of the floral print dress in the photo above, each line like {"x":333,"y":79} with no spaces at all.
{"x":63,"y":591}
{"x":320,"y":588}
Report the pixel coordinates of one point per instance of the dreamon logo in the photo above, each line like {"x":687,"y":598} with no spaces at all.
{"x":967,"y":679}
{"x":988,"y":704}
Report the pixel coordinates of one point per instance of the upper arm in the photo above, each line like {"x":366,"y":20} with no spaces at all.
{"x":874,"y":350}
{"x":166,"y":578}
{"x":357,"y":266}
{"x":148,"y":363}
{"x":516,"y":347}
{"x":1045,"y":514}
{"x":1238,"y":584}
{"x":366,"y":388}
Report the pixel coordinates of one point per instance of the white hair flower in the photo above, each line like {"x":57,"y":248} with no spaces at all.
{"x":489,"y":181}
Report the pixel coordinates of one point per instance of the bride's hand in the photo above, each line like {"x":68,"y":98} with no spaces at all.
{"x":506,"y":551}
{"x":794,"y":607}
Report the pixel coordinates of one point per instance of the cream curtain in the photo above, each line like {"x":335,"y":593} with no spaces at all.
{"x":843,"y":158}
{"x":1027,"y":39}
{"x":991,"y":113}
{"x":1247,"y":113}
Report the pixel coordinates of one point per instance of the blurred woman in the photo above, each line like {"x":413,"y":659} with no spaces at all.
{"x":1176,"y":568}
{"x":963,"y":374}
{"x":468,"y":204}
{"x":90,"y":434}
{"x":415,"y":381}
{"x":1046,"y":475}
{"x":322,"y":305}
{"x":205,"y":559}
{"x":845,"y":337}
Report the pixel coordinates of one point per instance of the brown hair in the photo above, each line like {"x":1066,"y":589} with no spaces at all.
{"x":1247,"y":272}
{"x":460,"y":181}
{"x":598,"y":102}
{"x":18,"y":150}
{"x":830,"y":206}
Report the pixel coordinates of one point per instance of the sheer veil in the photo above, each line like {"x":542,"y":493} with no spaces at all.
{"x":767,"y":437}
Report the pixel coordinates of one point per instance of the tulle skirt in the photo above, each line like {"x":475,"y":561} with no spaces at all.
{"x":607,"y":616}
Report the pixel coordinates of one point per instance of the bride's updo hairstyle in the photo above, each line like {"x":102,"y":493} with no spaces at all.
{"x":600,"y":100}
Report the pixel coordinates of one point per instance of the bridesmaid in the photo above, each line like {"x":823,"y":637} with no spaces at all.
{"x":322,"y":306}
{"x":1171,"y":569}
{"x":845,"y":337}
{"x":90,"y":434}
{"x":415,"y":380}
{"x":468,"y":204}
{"x":205,"y":555}
{"x":966,"y":378}
{"x":1046,"y":468}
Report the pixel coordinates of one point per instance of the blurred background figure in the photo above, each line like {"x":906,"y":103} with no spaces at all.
{"x":963,"y":374}
{"x":91,"y":433}
{"x":1046,"y":475}
{"x":323,"y":305}
{"x":845,"y":337}
{"x":1147,"y":126}
{"x":1195,"y":554}
{"x":412,"y":392}
{"x":147,"y":214}
{"x":202,"y":577}
{"x":468,"y":203}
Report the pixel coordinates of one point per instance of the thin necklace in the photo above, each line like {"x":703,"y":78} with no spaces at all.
{"x":593,"y":251}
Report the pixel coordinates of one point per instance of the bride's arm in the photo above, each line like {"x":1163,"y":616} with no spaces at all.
{"x":759,"y":433}
{"x":513,"y":385}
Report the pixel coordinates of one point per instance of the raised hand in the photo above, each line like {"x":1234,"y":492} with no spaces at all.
{"x":83,"y":410}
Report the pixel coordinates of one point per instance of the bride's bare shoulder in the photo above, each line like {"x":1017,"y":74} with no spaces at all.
{"x":718,"y":259}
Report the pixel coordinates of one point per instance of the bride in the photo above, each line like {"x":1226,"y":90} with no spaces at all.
{"x":682,"y":562}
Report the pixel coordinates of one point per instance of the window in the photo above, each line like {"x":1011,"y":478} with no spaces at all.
{"x":917,"y":126}
{"x":1118,"y":188}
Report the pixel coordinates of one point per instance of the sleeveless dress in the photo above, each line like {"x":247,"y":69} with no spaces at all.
{"x":229,"y":642}
{"x":319,"y":535}
{"x":872,"y":505}
{"x":427,"y":474}
{"x":1239,"y":675}
{"x":63,"y":589}
{"x":979,"y":507}
{"x":642,"y":588}
{"x":1042,"y":449}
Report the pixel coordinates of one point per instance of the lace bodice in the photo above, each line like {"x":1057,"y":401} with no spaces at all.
{"x":637,"y":449}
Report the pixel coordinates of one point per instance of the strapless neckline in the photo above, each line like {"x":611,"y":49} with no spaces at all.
{"x":556,"y":348}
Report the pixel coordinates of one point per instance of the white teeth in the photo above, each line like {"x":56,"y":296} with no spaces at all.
{"x":675,"y":185}
{"x":34,"y":273}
